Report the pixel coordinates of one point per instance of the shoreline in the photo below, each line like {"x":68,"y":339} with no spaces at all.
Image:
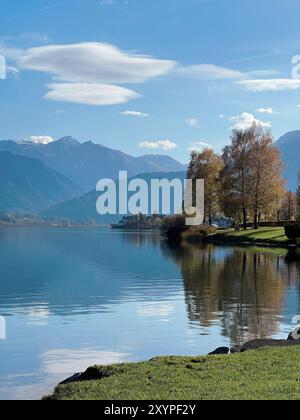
{"x":225,"y":240}
{"x":221,"y":238}
{"x":243,"y":375}
{"x":263,"y":237}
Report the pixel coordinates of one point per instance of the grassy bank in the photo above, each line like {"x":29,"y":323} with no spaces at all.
{"x":263,"y":374}
{"x":269,"y":236}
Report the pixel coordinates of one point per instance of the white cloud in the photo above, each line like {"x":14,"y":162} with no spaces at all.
{"x":199,"y":146}
{"x":96,"y":62}
{"x":162,"y":144}
{"x":246,"y":120}
{"x":93,"y":62}
{"x":222,"y":116}
{"x":269,"y":111}
{"x":209,"y":72}
{"x":10,"y":53}
{"x":193,"y":122}
{"x":92,"y":69}
{"x":41,"y":139}
{"x":90,"y":93}
{"x":262,"y":73}
{"x":135,"y":114}
{"x":270,"y":85}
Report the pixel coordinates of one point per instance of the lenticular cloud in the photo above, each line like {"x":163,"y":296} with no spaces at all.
{"x":94,"y":63}
{"x":91,"y":71}
{"x":90,"y":93}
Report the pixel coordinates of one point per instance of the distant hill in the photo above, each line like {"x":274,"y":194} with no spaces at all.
{"x":289,"y":145}
{"x":86,"y":163}
{"x":84,"y":208}
{"x":28,"y":185}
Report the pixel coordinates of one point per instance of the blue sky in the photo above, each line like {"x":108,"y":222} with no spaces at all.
{"x":148,"y":76}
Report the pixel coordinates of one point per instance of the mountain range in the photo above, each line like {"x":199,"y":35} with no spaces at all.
{"x":289,"y":145}
{"x":83,"y":208}
{"x":59,"y":178}
{"x":28,"y":185}
{"x":86,"y":163}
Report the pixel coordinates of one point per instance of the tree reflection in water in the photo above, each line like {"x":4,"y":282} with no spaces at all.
{"x":243,"y":289}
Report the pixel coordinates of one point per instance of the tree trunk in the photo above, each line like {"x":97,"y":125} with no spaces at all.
{"x":245,"y":219}
{"x":255,"y":224}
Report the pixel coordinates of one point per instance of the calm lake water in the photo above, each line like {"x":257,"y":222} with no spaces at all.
{"x":75,"y":298}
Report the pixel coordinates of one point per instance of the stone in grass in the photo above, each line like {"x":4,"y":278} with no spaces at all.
{"x":258,"y":344}
{"x":74,"y":378}
{"x":91,"y":374}
{"x":220,"y":351}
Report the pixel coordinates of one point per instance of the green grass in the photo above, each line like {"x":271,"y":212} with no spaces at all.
{"x":267,"y":235}
{"x":268,"y":374}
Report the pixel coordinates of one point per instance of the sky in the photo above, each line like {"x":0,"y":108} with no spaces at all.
{"x":148,"y":76}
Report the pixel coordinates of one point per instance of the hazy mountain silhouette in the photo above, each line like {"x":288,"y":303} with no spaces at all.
{"x":84,"y":208}
{"x":289,"y":145}
{"x":28,"y":185}
{"x":86,"y":163}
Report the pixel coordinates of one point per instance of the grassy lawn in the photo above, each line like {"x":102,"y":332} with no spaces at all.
{"x":267,"y":374}
{"x":268,"y":235}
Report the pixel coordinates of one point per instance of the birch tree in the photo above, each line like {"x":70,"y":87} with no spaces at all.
{"x":207,"y":165}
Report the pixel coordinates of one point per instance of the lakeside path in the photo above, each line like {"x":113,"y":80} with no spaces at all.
{"x":266,"y":374}
{"x":267,"y":236}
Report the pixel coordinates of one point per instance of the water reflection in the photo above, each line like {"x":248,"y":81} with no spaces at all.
{"x":244,"y":289}
{"x":74,"y":298}
{"x":79,"y":272}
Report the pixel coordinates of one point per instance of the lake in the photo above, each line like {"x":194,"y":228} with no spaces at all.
{"x":74,"y":298}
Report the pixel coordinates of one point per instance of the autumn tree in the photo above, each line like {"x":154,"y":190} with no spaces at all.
{"x":266,"y":169}
{"x":252,"y":183}
{"x":278,"y":202}
{"x":207,"y":165}
{"x":236,"y":176}
{"x":289,"y":206}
